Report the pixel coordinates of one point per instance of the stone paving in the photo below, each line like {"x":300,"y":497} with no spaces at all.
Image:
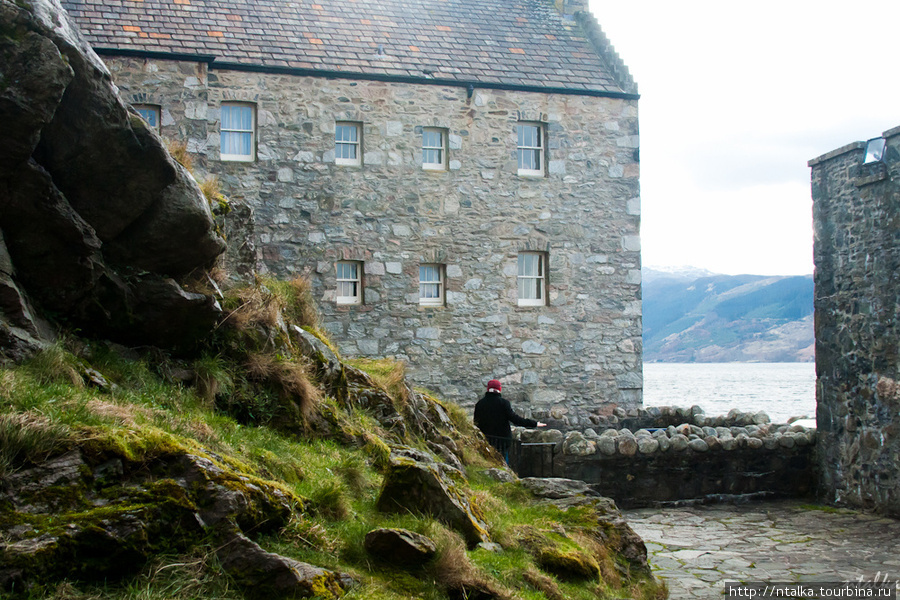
{"x":697,"y":549}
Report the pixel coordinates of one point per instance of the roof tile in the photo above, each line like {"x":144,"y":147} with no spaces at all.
{"x":521,"y":42}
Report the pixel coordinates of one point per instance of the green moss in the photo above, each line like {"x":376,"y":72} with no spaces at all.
{"x":825,"y":509}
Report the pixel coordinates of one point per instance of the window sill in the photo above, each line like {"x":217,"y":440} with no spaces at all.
{"x":531,"y":174}
{"x":237,"y":158}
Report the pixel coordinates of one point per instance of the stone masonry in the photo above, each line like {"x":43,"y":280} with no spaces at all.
{"x":856,"y":212}
{"x":576,"y":356}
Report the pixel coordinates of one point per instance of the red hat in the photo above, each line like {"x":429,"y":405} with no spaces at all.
{"x":494,"y":385}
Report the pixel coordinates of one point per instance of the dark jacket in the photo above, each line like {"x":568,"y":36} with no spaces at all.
{"x":493,"y":414}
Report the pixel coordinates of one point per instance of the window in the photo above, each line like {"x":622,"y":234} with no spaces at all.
{"x":237,"y":132}
{"x":347,"y":143}
{"x":431,"y":285}
{"x":349,"y":284}
{"x":531,"y":149}
{"x":434,"y":149}
{"x":150,"y":113}
{"x":532,"y":279}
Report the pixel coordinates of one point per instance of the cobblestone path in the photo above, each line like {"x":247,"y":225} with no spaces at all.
{"x":697,"y":549}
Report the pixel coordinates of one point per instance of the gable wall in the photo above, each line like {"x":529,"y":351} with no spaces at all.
{"x":578,"y":354}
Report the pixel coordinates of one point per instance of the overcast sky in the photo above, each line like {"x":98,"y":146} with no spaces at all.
{"x":736,"y":97}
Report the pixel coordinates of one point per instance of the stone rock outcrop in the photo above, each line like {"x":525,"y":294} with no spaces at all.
{"x":613,"y":529}
{"x":96,"y":217}
{"x":417,"y":483}
{"x":400,"y":547}
{"x":272,"y":576}
{"x":95,"y":515}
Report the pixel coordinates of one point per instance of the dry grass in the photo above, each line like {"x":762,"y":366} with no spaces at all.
{"x":179,"y":152}
{"x":117,"y":413}
{"x":452,"y":569}
{"x":543,"y":583}
{"x":28,"y":438}
{"x":291,"y":377}
{"x":211,"y":189}
{"x":389,"y":374}
{"x":255,"y":305}
{"x":297,"y":301}
{"x":600,"y":552}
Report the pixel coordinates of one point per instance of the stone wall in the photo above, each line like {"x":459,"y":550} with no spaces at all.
{"x":581,"y":351}
{"x":856,"y":212}
{"x":677,"y":463}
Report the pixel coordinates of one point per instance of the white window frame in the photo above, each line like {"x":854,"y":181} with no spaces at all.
{"x":441,"y":149}
{"x":431,"y":270}
{"x":532,"y":283}
{"x":355,"y":144}
{"x":243,"y":131}
{"x":528,"y":145}
{"x":154,"y":109}
{"x":348,"y":281}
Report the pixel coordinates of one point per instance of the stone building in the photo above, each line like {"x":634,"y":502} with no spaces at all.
{"x":856,"y":214}
{"x":459,"y":180}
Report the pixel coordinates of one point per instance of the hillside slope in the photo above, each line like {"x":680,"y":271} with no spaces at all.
{"x":724,"y":318}
{"x":269,"y":467}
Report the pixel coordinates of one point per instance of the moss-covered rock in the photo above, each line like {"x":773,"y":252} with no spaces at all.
{"x":417,"y":483}
{"x":271,"y":576}
{"x":102,"y":517}
{"x":399,"y":547}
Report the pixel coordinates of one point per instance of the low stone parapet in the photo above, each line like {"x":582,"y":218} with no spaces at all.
{"x":654,"y":417}
{"x":677,"y":463}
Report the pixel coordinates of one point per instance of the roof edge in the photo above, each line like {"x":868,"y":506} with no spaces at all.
{"x":851,"y":147}
{"x":607,"y":51}
{"x":204,"y":58}
{"x":276,"y":70}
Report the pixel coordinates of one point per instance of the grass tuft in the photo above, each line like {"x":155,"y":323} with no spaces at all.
{"x":55,"y":365}
{"x":329,"y":500}
{"x":179,"y":152}
{"x":297,"y":300}
{"x":389,"y":374}
{"x":218,"y":202}
{"x":212,"y":377}
{"x":29,"y":438}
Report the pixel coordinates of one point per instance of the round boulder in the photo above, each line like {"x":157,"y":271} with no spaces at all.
{"x":647,"y":444}
{"x":679,"y":442}
{"x":698,"y":445}
{"x":627,"y":445}
{"x":606,"y":445}
{"x":400,"y":546}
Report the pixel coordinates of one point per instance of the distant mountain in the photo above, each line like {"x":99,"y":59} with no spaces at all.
{"x":724,"y":318}
{"x":650,"y":273}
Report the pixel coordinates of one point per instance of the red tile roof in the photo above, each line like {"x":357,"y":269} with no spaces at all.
{"x":523,"y":43}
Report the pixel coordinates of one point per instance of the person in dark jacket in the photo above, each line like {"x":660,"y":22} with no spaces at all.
{"x":493,"y":414}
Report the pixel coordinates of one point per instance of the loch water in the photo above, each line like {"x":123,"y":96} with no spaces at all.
{"x":783,"y":390}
